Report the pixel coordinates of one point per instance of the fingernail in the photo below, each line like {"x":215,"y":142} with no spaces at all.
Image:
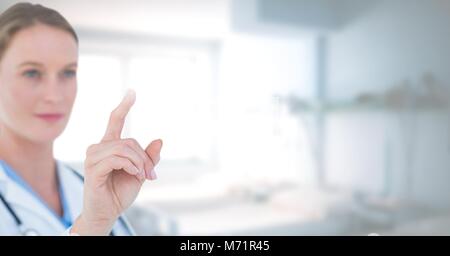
{"x":138,"y":173}
{"x":130,"y":94}
{"x":153,"y":175}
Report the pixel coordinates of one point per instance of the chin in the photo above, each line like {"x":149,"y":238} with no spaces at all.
{"x":44,"y":135}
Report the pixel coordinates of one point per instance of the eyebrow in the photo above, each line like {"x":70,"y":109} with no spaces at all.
{"x":33,"y":63}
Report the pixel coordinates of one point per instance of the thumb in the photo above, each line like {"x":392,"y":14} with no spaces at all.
{"x":153,"y":150}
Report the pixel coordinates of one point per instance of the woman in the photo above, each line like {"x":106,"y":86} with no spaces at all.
{"x":38,"y":85}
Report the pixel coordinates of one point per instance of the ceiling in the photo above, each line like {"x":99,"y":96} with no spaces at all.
{"x":208,"y":19}
{"x":189,"y":18}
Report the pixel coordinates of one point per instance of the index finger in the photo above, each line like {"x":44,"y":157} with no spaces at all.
{"x":117,"y":117}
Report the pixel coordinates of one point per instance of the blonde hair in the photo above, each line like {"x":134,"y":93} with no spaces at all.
{"x":24,"y":15}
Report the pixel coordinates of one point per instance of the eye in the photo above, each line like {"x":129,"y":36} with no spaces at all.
{"x":32,"y":73}
{"x":69,"y":73}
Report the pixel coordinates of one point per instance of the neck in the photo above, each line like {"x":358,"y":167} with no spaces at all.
{"x":33,"y":162}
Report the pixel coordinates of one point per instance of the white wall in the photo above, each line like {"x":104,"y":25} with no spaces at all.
{"x":396,"y":41}
{"x":254,"y":69}
{"x":373,"y":45}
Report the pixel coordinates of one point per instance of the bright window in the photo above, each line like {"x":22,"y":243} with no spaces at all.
{"x":99,"y":89}
{"x":174,"y":102}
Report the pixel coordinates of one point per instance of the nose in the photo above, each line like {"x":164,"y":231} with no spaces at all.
{"x":52,"y":91}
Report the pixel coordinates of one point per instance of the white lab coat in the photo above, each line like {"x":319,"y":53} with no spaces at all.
{"x":36,"y":216}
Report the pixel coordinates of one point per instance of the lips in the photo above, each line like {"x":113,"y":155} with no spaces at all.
{"x":50,"y":117}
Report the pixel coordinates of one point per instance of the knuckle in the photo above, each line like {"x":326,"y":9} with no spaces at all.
{"x":114,"y":162}
{"x":121,"y":149}
{"x":90,"y":149}
{"x":141,"y":163}
{"x":131,"y":142}
{"x":130,"y":165}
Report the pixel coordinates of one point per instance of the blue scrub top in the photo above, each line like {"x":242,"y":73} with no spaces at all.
{"x":66,"y":219}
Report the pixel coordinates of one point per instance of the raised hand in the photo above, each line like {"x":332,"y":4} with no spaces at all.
{"x":115,"y":170}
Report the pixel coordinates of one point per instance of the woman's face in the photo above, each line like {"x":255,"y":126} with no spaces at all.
{"x":38,"y":82}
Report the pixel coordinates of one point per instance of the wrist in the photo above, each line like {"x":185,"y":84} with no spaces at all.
{"x":85,"y":227}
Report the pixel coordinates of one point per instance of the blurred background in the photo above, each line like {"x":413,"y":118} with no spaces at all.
{"x":279,"y":117}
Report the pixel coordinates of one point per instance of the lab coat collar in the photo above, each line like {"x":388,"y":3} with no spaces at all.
{"x":3,"y":181}
{"x":73,"y":189}
{"x":18,"y":196}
